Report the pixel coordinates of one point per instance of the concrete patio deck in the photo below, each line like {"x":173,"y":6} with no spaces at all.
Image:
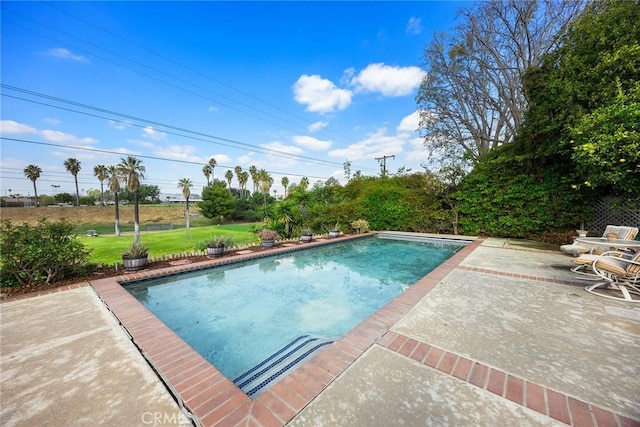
{"x":502,"y":334}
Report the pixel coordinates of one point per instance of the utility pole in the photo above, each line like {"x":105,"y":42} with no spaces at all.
{"x":383,"y":163}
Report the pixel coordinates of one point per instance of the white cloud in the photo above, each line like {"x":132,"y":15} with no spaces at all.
{"x":213,"y":109}
{"x":120,"y":125}
{"x":52,"y":121}
{"x":66,"y":138}
{"x":316,"y":126}
{"x":60,"y":52}
{"x":388,"y":80}
{"x":320,"y":95}
{"x":282,"y":148}
{"x":375,"y":145}
{"x":156,"y":135}
{"x":311,"y":142}
{"x":409,"y":124}
{"x":413,"y":26}
{"x":145,"y":144}
{"x":180,"y":152}
{"x":11,"y":127}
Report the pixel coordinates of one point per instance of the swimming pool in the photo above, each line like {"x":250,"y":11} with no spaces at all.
{"x":257,"y":320}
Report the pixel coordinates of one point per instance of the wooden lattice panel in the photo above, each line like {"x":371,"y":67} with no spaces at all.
{"x":607,"y":211}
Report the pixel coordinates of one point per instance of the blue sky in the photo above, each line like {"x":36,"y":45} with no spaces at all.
{"x":296,"y":88}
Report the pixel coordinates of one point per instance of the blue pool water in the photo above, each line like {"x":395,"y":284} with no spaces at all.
{"x":255,"y":320}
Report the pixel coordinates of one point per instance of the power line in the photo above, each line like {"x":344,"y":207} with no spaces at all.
{"x":97,"y":150}
{"x":164,"y":126}
{"x":167,"y":74}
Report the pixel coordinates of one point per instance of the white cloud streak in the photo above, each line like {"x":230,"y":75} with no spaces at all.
{"x":413,"y":26}
{"x":60,"y":52}
{"x":320,"y":95}
{"x":388,"y":80}
{"x":311,"y":142}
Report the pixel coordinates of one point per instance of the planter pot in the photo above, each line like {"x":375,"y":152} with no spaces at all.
{"x":333,"y":234}
{"x":306,"y":238}
{"x":268,"y":243}
{"x":134,"y":263}
{"x":215,"y":252}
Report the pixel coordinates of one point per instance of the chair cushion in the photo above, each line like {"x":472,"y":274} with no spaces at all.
{"x":574,"y":249}
{"x":587,"y":259}
{"x":611,"y":265}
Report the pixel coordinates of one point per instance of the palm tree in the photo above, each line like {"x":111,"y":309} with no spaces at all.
{"x":304,"y":183}
{"x":253,"y":171}
{"x":206,"y":170}
{"x":100,"y":172}
{"x":238,"y":171}
{"x":132,"y":171}
{"x":33,"y":172}
{"x":185,"y":184}
{"x":266,"y":181}
{"x":285,"y":184}
{"x":114,"y":186}
{"x":243,"y":178}
{"x":229,"y":176}
{"x":73,"y":167}
{"x":212,"y":166}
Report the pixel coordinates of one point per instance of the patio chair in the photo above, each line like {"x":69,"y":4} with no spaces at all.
{"x":578,"y":248}
{"x":585,"y":260}
{"x":620,"y":274}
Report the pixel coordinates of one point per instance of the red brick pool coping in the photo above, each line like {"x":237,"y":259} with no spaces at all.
{"x":216,"y":401}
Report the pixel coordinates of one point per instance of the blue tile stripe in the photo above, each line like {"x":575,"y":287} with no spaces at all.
{"x":286,"y":368}
{"x":268,"y":359}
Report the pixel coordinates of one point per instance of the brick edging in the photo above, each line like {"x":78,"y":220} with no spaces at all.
{"x":538,"y":398}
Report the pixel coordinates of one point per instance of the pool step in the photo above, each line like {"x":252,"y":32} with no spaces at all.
{"x":257,"y":379}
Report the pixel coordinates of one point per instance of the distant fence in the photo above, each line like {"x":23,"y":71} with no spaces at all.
{"x":159,"y":226}
{"x":606,"y":211}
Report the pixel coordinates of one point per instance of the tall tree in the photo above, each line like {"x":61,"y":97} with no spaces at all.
{"x":132,"y":171}
{"x":114,"y":186}
{"x":229,"y":177}
{"x":238,"y":171}
{"x":266,"y":181}
{"x":100,"y":172}
{"x":212,"y":165}
{"x":471,"y":99}
{"x":255,"y":179}
{"x":243,"y":178}
{"x":185,"y":185}
{"x":73,"y":167}
{"x":584,"y":108}
{"x":285,"y":183}
{"x":217,"y":201}
{"x":206,"y":170}
{"x":304,"y":183}
{"x":33,"y":173}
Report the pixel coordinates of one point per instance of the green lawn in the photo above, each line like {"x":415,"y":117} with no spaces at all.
{"x":107,"y":249}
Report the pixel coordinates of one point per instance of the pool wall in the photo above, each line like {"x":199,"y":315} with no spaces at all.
{"x":212,"y":397}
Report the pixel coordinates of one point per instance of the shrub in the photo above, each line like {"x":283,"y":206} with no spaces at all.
{"x":360,"y":225}
{"x":267,"y":234}
{"x":40,"y":254}
{"x":218,"y":241}
{"x":136,"y":250}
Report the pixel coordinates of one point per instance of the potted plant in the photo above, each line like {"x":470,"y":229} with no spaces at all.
{"x":360,"y":225}
{"x":215,"y":246}
{"x":306,"y":234}
{"x":335,"y":230}
{"x":268,"y":237}
{"x":135,"y":257}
